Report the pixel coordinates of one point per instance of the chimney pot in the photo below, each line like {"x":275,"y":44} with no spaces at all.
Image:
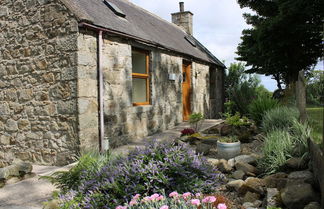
{"x":181,"y":6}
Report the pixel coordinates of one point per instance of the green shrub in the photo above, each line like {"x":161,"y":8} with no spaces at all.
{"x":236,"y":120}
{"x":277,"y":149}
{"x":260,"y":106}
{"x":87,"y":165}
{"x":157,"y":168}
{"x":196,"y":120}
{"x":279,"y":118}
{"x":300,"y":133}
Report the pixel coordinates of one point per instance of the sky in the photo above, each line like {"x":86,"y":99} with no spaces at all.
{"x":217,"y":24}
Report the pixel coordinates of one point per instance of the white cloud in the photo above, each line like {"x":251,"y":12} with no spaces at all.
{"x":217,"y":24}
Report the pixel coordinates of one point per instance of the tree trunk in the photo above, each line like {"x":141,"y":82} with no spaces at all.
{"x":301,"y":96}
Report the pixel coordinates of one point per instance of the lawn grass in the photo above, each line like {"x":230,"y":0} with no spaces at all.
{"x":315,"y":116}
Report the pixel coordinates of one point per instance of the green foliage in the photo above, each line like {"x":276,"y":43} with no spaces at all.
{"x":87,"y":165}
{"x":277,"y":150}
{"x":236,"y":120}
{"x":315,"y":88}
{"x":315,"y":117}
{"x":280,"y":145}
{"x":279,"y":118}
{"x":258,"y":107}
{"x":285,"y":38}
{"x":196,"y":120}
{"x":228,"y":139}
{"x":241,"y":89}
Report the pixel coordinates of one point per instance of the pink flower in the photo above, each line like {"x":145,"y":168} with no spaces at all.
{"x":195,"y":202}
{"x":154,"y":196}
{"x":146,"y":199}
{"x":160,"y":198}
{"x":121,"y":207}
{"x":209,"y":199}
{"x":174,"y":194}
{"x":136,"y":196}
{"x":133,"y":202}
{"x":221,"y":206}
{"x":164,"y":207}
{"x":186,"y":195}
{"x":198,"y":195}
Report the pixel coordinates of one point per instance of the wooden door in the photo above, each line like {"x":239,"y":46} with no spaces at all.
{"x":186,"y":76}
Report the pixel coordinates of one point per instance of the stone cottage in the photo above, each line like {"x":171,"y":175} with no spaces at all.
{"x":76,"y":72}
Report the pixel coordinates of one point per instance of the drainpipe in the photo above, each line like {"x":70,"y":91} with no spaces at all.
{"x":104,"y":146}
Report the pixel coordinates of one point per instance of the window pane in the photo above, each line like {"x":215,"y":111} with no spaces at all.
{"x":139,"y":62}
{"x":139,"y":90}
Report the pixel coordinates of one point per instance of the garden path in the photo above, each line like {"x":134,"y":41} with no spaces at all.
{"x":170,"y":134}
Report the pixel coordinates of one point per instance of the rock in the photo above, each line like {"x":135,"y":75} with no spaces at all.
{"x":210,"y":141}
{"x":313,"y":205}
{"x":12,"y":180}
{"x":246,"y":167}
{"x":258,"y":137}
{"x":2,"y":184}
{"x":277,"y":180}
{"x":297,"y":196}
{"x":24,"y":167}
{"x":203,"y":148}
{"x":251,"y":197}
{"x":257,"y":203}
{"x":273,"y":197}
{"x":8,"y":171}
{"x":239,"y":174}
{"x":299,"y":177}
{"x":29,"y":175}
{"x":254,"y":185}
{"x":223,"y":166}
{"x":296,"y":163}
{"x":226,"y":129}
{"x":231,"y":162}
{"x":249,"y":159}
{"x":235,"y":185}
{"x":213,"y":161}
{"x":248,"y":205}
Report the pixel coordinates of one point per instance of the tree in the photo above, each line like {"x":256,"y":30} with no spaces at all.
{"x":285,"y":38}
{"x":315,"y":88}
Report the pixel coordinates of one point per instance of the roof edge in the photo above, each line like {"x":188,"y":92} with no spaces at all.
{"x":80,"y":14}
{"x":125,"y":35}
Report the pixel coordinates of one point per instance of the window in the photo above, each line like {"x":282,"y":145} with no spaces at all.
{"x":140,"y":74}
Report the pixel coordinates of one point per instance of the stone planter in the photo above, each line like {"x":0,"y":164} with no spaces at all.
{"x":228,"y":150}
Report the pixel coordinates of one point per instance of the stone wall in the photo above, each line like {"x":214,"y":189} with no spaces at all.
{"x":123,"y":121}
{"x":38,"y":89}
{"x":88,"y":90}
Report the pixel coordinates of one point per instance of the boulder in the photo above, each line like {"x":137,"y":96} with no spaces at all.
{"x":235,"y":185}
{"x":8,"y":171}
{"x":246,"y":167}
{"x":226,"y":129}
{"x":203,"y":148}
{"x":299,"y":177}
{"x":223,"y":166}
{"x":249,"y":159}
{"x":213,"y":161}
{"x":254,"y":185}
{"x":53,"y":204}
{"x":239,"y":174}
{"x":24,"y":167}
{"x":313,"y":205}
{"x":231,"y":162}
{"x":296,"y":163}
{"x":273,"y":197}
{"x":210,"y":141}
{"x":297,"y":196}
{"x":251,"y":197}
{"x":249,"y":205}
{"x":277,"y":180}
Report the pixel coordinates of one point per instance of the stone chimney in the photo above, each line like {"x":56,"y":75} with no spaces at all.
{"x":183,"y":19}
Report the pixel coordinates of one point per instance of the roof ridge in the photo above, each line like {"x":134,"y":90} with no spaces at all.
{"x":154,"y":15}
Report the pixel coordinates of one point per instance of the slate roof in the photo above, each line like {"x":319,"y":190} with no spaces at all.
{"x":141,"y":24}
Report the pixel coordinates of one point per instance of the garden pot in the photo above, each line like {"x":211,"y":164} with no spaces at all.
{"x":227,"y":150}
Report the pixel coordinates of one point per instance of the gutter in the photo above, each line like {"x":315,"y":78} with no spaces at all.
{"x":151,"y":43}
